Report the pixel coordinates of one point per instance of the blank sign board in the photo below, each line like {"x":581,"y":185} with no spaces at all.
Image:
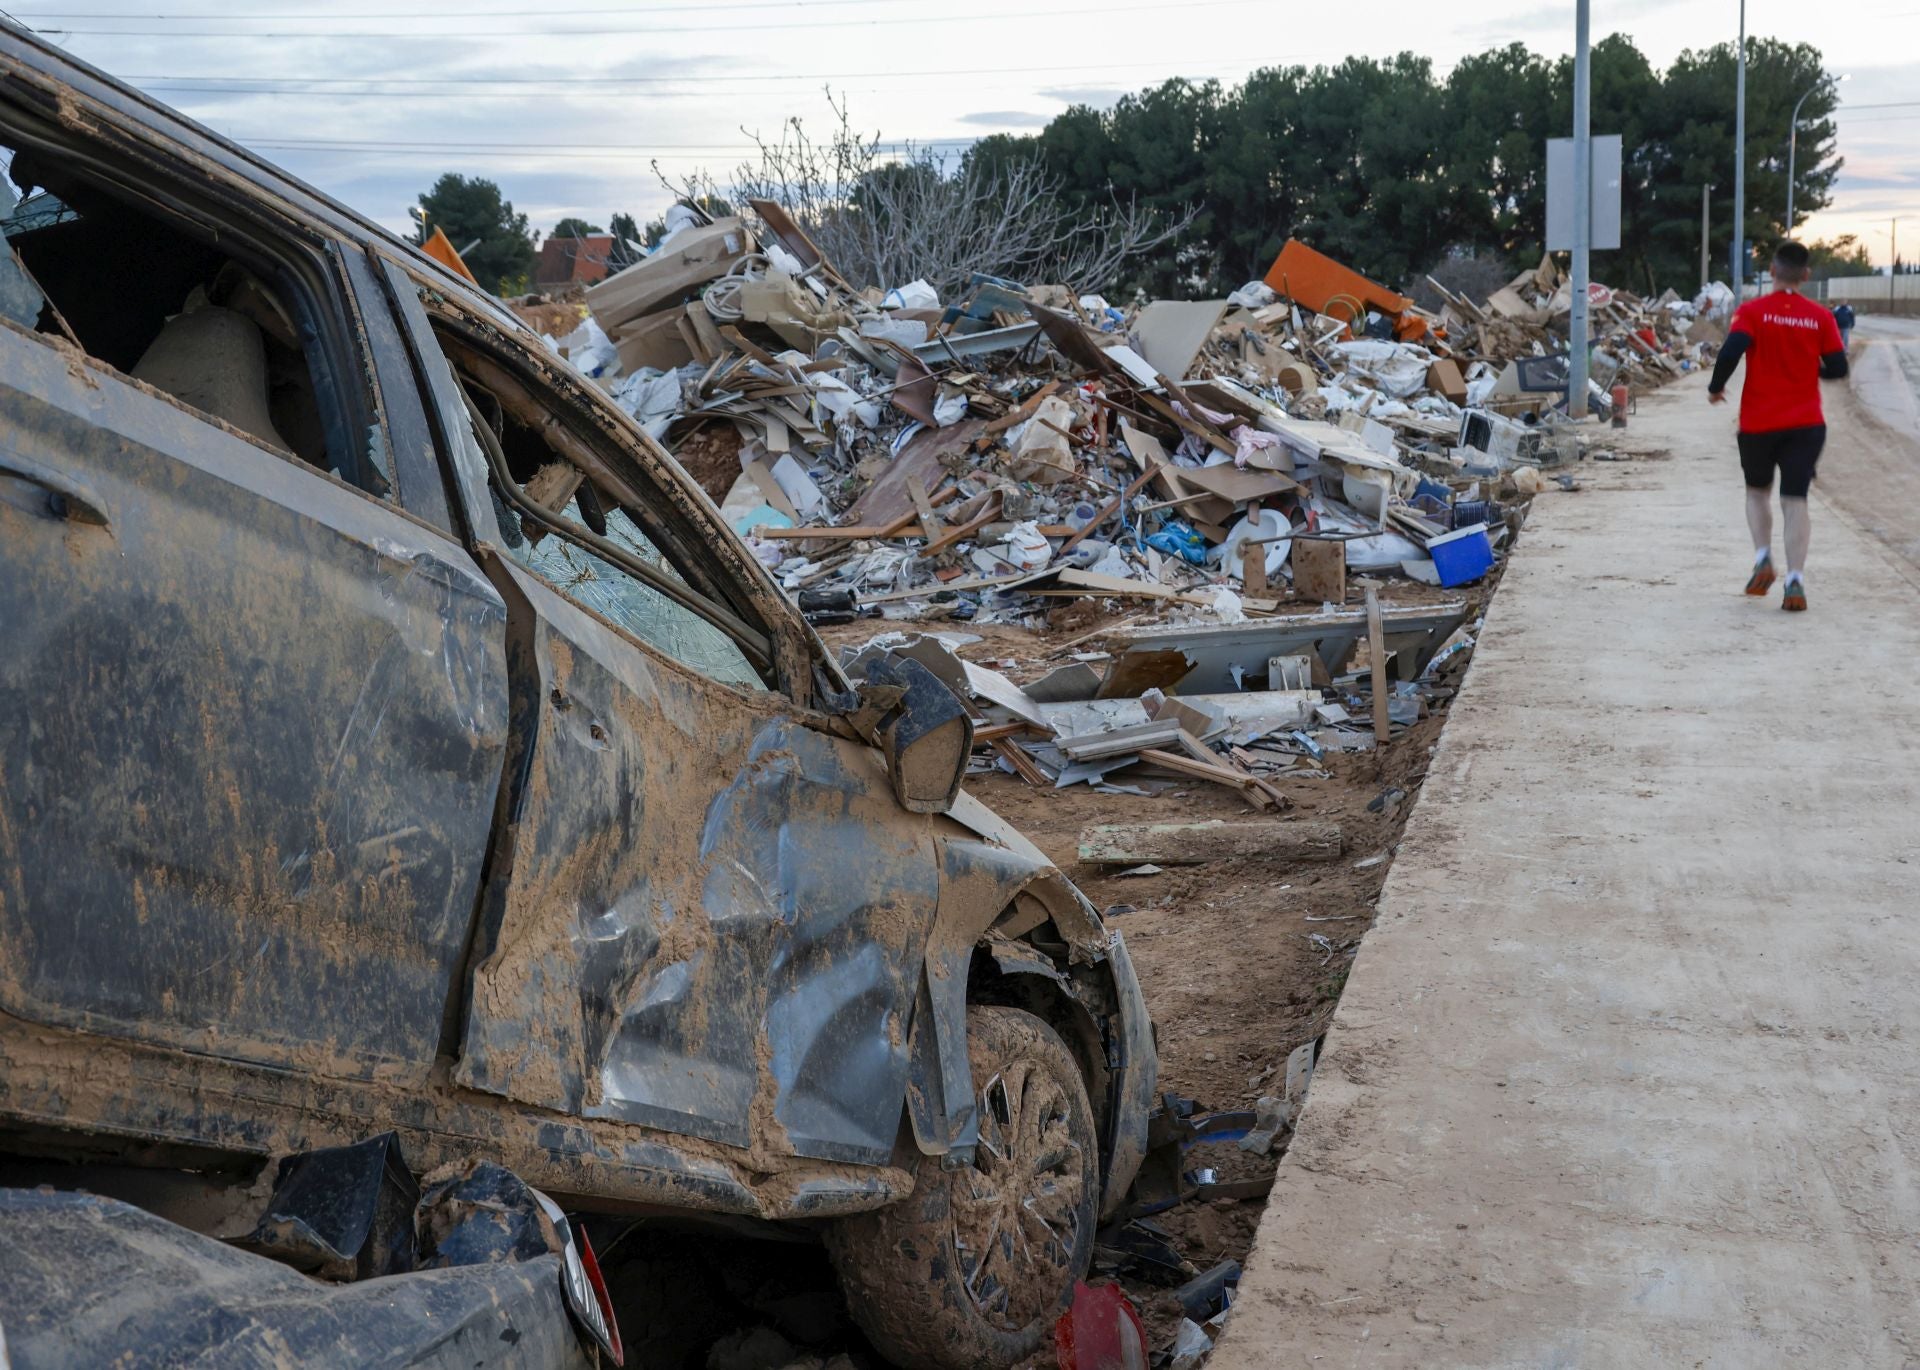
{"x":1605,"y":167}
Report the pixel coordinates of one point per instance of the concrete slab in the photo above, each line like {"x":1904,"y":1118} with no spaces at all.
{"x":1624,"y":1073}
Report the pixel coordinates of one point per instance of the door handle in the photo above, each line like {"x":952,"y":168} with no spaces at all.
{"x":67,"y":496}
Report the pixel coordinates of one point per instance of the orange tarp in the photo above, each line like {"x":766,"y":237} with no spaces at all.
{"x":441,"y":249}
{"x":1326,"y":287}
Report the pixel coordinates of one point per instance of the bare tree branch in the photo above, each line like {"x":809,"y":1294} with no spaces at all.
{"x":885,"y":216}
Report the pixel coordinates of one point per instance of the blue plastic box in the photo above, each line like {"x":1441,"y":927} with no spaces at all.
{"x":1463,"y":555}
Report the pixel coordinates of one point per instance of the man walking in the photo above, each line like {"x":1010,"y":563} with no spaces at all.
{"x":1843,"y":316}
{"x":1790,"y":344}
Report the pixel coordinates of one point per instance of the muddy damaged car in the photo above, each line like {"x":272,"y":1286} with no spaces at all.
{"x":406,"y":778}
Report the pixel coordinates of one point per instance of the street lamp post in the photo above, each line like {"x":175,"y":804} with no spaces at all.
{"x":1736,"y":254}
{"x":1706,"y":194}
{"x":1893,"y":266}
{"x":1577,"y":339}
{"x":1793,"y":136}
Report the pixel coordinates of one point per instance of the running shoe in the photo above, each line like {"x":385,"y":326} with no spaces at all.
{"x":1794,"y":600}
{"x":1762,"y":579}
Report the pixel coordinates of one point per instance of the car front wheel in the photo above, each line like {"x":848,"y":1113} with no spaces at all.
{"x":974,"y":1268}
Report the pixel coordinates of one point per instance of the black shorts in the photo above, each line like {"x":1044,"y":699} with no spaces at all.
{"x":1796,"y":451}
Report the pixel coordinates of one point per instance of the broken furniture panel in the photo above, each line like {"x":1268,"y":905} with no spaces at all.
{"x":1414,"y":632}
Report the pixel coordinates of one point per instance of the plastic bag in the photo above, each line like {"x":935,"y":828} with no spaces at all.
{"x":915,"y":294}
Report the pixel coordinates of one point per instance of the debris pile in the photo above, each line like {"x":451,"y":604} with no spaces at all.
{"x":1221,"y":466}
{"x":888,"y":453}
{"x":1644,"y":343}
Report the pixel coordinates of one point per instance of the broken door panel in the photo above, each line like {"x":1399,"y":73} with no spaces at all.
{"x":251,"y":733}
{"x":703,"y":904}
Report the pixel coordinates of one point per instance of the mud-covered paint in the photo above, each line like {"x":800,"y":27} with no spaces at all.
{"x":700,"y":904}
{"x":251,"y":730}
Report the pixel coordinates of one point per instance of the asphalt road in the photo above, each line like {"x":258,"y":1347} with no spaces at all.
{"x":1886,"y":366}
{"x":1870,"y":470}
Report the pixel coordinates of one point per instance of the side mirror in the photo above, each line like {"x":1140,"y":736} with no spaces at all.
{"x":925,"y":733}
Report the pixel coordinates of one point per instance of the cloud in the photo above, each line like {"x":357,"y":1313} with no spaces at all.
{"x":1100,"y":97}
{"x":1006,"y":118}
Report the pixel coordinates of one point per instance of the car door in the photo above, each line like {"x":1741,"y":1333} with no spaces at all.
{"x":252,"y":707}
{"x":708,"y":913}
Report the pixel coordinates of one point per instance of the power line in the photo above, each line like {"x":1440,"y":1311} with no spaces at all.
{"x":481,"y":156}
{"x":490,"y":14}
{"x":652,"y":30}
{"x":432,"y":145}
{"x":441,"y":15}
{"x":643,"y":80}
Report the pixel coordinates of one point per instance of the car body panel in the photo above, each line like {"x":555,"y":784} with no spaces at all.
{"x":251,"y":729}
{"x":699,"y":902}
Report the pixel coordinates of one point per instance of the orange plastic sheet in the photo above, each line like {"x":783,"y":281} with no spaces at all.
{"x":441,"y":249}
{"x":1326,"y":287}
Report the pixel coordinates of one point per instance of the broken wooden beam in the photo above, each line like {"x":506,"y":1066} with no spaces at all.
{"x":1255,"y":791}
{"x":1192,"y":844}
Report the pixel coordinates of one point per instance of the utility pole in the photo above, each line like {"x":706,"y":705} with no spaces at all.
{"x":1582,"y":214}
{"x":1705,"y":203}
{"x":1893,"y":267}
{"x":1738,"y":252}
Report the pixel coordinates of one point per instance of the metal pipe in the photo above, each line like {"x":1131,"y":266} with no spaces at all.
{"x":1582,"y":213}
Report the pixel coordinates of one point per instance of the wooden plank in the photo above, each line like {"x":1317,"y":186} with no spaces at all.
{"x":1184,"y":424}
{"x":1320,"y":570}
{"x":967,"y":529}
{"x":754,"y":350}
{"x":1193,"y":844}
{"x":993,"y":732}
{"x":1259,"y":795}
{"x":934,"y":501}
{"x":929,"y":521}
{"x":1023,"y":765}
{"x":1197,"y":749}
{"x":1253,"y":568}
{"x":1020,"y":413}
{"x":1377,"y":664}
{"x":886,"y":498}
{"x":968,"y":583}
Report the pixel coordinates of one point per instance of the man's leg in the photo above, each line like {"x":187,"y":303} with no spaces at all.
{"x":1760,"y":519}
{"x":1756,"y":465}
{"x":1799,"y":455}
{"x":1793,"y":513}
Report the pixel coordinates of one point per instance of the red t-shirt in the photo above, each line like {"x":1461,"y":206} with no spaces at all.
{"x":1790,"y":334}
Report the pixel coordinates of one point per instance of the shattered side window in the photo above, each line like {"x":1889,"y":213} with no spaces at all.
{"x":220,"y":321}
{"x":641,"y":610}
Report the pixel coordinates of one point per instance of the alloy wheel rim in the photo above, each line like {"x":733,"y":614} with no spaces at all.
{"x":1016,"y":1209}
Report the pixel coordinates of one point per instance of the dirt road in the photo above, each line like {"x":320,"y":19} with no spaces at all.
{"x":1623,"y":1073}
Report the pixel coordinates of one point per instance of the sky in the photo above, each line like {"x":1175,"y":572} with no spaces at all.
{"x":570,"y":105}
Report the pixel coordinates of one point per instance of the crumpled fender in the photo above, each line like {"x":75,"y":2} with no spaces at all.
{"x":987,"y":870}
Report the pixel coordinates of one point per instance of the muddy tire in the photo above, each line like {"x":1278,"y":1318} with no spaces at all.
{"x":978,"y":1264}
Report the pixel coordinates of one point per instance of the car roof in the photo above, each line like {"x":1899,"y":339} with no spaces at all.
{"x":27,"y":55}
